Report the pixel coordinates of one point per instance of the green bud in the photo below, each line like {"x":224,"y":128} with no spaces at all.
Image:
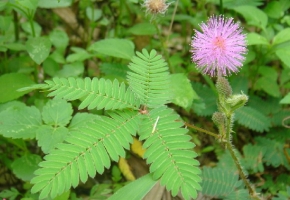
{"x":218,"y":118}
{"x":236,"y":101}
{"x":223,"y":87}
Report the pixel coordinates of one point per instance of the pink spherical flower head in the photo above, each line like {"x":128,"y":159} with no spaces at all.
{"x":220,"y":48}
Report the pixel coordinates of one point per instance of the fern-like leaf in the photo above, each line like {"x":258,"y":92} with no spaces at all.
{"x":252,"y":119}
{"x":87,"y":150}
{"x":149,"y":78}
{"x":217,"y":182}
{"x":170,"y":152}
{"x":94,"y":93}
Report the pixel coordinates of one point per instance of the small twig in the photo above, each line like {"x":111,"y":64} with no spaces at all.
{"x":202,"y":130}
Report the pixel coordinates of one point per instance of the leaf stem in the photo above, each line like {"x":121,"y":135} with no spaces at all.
{"x":202,"y":130}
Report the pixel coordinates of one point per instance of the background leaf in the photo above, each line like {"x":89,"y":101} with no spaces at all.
{"x":10,"y":83}
{"x":120,"y":48}
{"x":182,"y":91}
{"x":48,"y":137}
{"x":254,"y":16}
{"x":25,"y":166}
{"x":54,"y":3}
{"x":252,"y":119}
{"x":38,"y":48}
{"x":143,"y":29}
{"x":19,"y":121}
{"x":136,"y":190}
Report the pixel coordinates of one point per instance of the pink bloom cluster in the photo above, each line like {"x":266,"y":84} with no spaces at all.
{"x":220,"y":48}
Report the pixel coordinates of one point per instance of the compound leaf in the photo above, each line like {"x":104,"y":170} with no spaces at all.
{"x":170,"y":152}
{"x":88,"y":149}
{"x":149,"y":78}
{"x":252,"y":119}
{"x":93,"y":93}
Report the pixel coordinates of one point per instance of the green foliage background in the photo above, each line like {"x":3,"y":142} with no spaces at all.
{"x":91,"y":67}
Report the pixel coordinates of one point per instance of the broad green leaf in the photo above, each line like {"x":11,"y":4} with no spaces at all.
{"x":274,"y":9}
{"x":48,"y":137}
{"x":54,"y":3}
{"x":10,"y":83}
{"x":286,"y":99}
{"x":93,"y":14}
{"x":143,"y":29}
{"x":25,"y":166}
{"x":282,"y":36}
{"x":182,"y":91}
{"x":57,"y":112}
{"x":19,"y":121}
{"x":120,"y":48}
{"x":71,"y":70}
{"x":253,"y":16}
{"x":255,"y":38}
{"x":59,"y":39}
{"x":135,"y":190}
{"x":284,"y":55}
{"x":38,"y":48}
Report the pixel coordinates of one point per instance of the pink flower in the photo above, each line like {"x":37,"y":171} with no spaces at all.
{"x":220,"y":48}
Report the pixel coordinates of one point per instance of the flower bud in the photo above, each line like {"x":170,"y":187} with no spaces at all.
{"x":155,"y":6}
{"x":223,"y":87}
{"x":218,"y":118}
{"x":236,"y":101}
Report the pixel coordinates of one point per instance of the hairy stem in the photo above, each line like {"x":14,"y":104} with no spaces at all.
{"x":241,"y":172}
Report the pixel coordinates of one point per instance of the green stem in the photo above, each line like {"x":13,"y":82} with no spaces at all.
{"x":241,"y":172}
{"x":16,"y":25}
{"x":172,"y":20}
{"x":202,"y":130}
